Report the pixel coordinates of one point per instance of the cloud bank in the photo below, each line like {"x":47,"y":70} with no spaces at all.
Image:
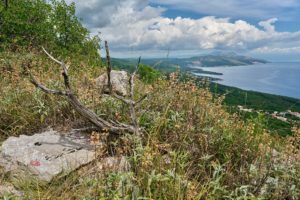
{"x":136,"y":25}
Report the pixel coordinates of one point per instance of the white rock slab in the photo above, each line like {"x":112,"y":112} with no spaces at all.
{"x":46,"y":154}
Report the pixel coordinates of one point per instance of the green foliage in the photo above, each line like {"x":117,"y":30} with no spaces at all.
{"x":24,"y":22}
{"x":148,"y":74}
{"x":265,"y":103}
{"x":32,"y":24}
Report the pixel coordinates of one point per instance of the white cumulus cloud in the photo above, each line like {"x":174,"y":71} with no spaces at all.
{"x":135,"y":24}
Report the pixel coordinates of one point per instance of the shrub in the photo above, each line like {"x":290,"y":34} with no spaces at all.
{"x":32,"y":24}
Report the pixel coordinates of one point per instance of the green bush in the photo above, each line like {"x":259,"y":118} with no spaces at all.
{"x":32,"y":24}
{"x":148,"y":74}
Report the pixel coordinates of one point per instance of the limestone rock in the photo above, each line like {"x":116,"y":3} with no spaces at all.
{"x":46,"y":154}
{"x":119,"y":80}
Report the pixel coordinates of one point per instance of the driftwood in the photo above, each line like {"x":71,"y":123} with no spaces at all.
{"x":99,"y":123}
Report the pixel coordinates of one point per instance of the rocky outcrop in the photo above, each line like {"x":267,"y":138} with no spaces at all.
{"x":119,"y":80}
{"x":46,"y":155}
{"x":49,"y":154}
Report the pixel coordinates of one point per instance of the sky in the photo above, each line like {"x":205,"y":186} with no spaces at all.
{"x":268,"y":29}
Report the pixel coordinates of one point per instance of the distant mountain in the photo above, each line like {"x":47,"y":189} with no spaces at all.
{"x":228,"y":59}
{"x":192,"y":64}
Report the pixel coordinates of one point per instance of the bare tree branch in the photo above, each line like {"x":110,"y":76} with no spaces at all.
{"x":131,"y":105}
{"x":131,"y":81}
{"x":130,"y":102}
{"x":92,"y":117}
{"x":44,"y":88}
{"x":51,"y":57}
{"x":108,"y":68}
{"x":141,"y":100}
{"x":66,"y":76}
{"x":126,"y":101}
{"x":64,"y":68}
{"x":91,"y":128}
{"x":113,"y":127}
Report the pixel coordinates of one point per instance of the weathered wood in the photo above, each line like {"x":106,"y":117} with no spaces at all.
{"x":109,"y":83}
{"x":99,"y":122}
{"x":132,"y":103}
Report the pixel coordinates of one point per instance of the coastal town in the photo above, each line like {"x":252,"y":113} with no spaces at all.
{"x":285,"y":116}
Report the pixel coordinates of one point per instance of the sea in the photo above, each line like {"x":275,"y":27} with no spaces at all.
{"x":280,"y":78}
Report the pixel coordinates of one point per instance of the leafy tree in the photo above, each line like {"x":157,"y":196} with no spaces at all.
{"x":24,"y":22}
{"x":35,"y":23}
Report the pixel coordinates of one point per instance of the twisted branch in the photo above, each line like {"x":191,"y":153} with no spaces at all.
{"x":130,"y":101}
{"x":99,"y":122}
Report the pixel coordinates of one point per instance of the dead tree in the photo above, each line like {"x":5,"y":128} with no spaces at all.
{"x":108,"y":68}
{"x":99,"y":123}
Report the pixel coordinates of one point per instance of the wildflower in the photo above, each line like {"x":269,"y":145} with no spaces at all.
{"x":172,"y":76}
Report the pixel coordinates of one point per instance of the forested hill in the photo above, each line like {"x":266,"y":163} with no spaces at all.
{"x":191,"y":64}
{"x":206,"y":61}
{"x":210,"y":60}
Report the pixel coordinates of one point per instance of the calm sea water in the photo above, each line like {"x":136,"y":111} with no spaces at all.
{"x":274,"y":78}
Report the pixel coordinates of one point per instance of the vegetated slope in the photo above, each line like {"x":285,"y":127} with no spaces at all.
{"x":265,"y":103}
{"x":256,"y":100}
{"x":191,"y":147}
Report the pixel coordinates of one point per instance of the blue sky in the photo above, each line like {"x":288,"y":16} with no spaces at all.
{"x":288,"y":14}
{"x":292,"y":24}
{"x":261,"y":28}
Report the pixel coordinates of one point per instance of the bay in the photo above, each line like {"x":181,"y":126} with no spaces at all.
{"x":274,"y":78}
